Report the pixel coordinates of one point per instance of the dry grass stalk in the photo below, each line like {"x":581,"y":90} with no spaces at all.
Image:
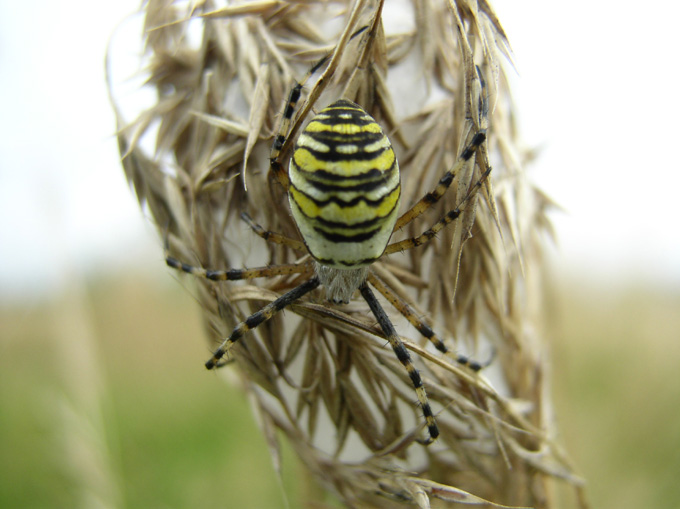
{"x":321,"y":374}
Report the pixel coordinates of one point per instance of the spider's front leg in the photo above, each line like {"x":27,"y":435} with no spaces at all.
{"x":422,"y":327}
{"x":402,"y":354}
{"x":265,"y":313}
{"x":259,"y":317}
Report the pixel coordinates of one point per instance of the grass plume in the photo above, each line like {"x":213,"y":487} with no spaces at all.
{"x":321,"y":375}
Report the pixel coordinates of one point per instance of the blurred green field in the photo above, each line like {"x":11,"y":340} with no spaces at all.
{"x":616,"y":353}
{"x":104,"y":402}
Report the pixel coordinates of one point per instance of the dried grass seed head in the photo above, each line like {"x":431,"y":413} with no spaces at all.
{"x":318,"y":373}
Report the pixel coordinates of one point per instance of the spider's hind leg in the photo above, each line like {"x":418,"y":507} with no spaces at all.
{"x":481,"y":113}
{"x":446,"y":220}
{"x":444,"y":183}
{"x":279,"y":146}
{"x":274,"y":237}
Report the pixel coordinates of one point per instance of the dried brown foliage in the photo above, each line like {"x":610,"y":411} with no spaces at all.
{"x":321,"y":374}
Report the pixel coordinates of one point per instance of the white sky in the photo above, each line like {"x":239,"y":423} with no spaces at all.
{"x":57,"y":149}
{"x":597,"y":92}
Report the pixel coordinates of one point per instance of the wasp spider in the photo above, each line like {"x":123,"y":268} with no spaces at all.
{"x":344,"y":192}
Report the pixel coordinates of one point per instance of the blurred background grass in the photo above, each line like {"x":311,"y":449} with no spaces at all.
{"x":615,"y":356}
{"x":104,"y":400}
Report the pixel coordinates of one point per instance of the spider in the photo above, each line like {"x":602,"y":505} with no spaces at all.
{"x":344,"y":192}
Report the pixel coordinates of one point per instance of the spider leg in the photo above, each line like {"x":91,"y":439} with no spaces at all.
{"x":448,"y":218}
{"x":274,"y":237}
{"x":402,"y":354}
{"x":260,"y":317}
{"x":434,"y":196}
{"x":236,"y":274}
{"x":421,"y":326}
{"x":281,"y":138}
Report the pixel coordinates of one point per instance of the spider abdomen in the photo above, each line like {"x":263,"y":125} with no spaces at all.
{"x":344,"y":187}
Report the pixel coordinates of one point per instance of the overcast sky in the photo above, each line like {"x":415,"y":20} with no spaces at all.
{"x":596,"y":88}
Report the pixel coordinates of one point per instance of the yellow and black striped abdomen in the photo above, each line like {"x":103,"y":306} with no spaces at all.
{"x":344,"y":186}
